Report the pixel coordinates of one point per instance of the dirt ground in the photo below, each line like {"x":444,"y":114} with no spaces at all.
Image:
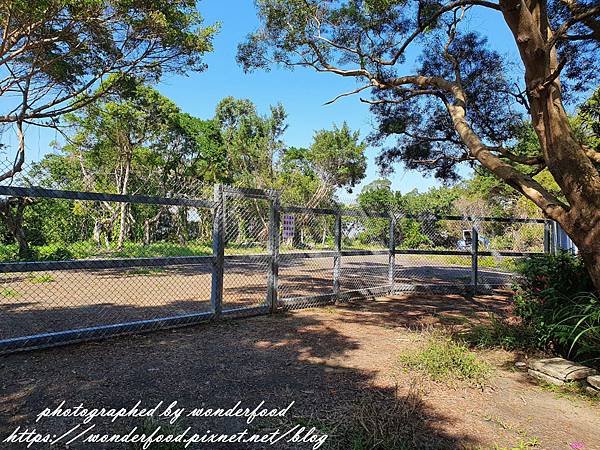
{"x":324,"y":359}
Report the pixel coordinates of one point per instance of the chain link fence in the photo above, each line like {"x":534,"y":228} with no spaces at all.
{"x":144,"y":262}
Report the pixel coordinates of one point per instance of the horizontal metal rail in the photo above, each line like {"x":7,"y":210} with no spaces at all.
{"x":433,"y":217}
{"x":118,"y":263}
{"x":508,"y":253}
{"x":329,"y":211}
{"x":301,"y":210}
{"x":44,"y":340}
{"x":331,"y":297}
{"x":38,"y":192}
{"x":126,"y":263}
{"x":368,"y":214}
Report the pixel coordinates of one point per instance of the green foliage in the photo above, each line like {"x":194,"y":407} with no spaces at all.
{"x":89,"y":249}
{"x":587,"y":121}
{"x":444,"y":359}
{"x":571,"y":390}
{"x":338,"y":156}
{"x":555,"y":297}
{"x":252,"y":141}
{"x":52,"y":252}
{"x":61,"y":49}
{"x":413,"y":236}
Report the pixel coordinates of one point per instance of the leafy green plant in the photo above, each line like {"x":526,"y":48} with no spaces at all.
{"x":53,"y":252}
{"x":555,"y":299}
{"x":572,"y":391}
{"x":576,"y":327}
{"x":444,"y":359}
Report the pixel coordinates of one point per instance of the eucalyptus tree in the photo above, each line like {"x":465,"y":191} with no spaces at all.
{"x":458,"y":101}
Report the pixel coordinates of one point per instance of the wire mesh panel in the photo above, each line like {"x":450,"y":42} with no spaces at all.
{"x":306,"y":262}
{"x":496,"y":272}
{"x":502,"y":244}
{"x":432,"y":254}
{"x":76,"y":265}
{"x":364,"y":274}
{"x":364,"y":232}
{"x":305,"y":280}
{"x":497,"y":236}
{"x":365,"y":241}
{"x":93,"y":268}
{"x":246,"y":239}
{"x":306,"y":231}
{"x":62,"y":300}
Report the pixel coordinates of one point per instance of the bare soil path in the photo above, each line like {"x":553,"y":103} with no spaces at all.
{"x":322,"y":358}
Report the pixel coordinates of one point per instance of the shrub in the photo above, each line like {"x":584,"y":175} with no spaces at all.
{"x":555,"y":298}
{"x":53,"y":252}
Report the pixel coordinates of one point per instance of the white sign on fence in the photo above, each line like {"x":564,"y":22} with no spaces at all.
{"x":288,"y":226}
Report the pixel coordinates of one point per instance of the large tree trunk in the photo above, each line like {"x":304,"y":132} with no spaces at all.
{"x":592,"y":262}
{"x":565,"y":157}
{"x":14,"y":222}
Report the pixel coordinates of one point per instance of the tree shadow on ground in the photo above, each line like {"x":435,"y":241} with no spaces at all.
{"x":278,"y":359}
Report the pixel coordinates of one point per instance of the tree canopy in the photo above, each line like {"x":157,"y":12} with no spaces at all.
{"x":458,"y":102}
{"x":55,"y":53}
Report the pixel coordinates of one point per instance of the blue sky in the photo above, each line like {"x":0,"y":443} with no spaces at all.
{"x":302,"y":92}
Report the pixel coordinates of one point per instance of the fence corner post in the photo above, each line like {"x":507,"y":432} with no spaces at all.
{"x":218,"y":238}
{"x":474,"y":259}
{"x":392,"y":253}
{"x":273,"y":248}
{"x":337,"y":257}
{"x":547,"y":236}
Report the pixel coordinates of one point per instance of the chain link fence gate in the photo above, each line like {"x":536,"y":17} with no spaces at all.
{"x":255,"y":257}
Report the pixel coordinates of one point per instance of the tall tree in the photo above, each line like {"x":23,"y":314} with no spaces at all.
{"x":253,"y":142}
{"x":55,"y":53}
{"x":458,"y":104}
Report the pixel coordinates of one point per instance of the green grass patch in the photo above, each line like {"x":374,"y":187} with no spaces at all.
{"x":45,"y":278}
{"x":444,"y":359}
{"x":9,"y":293}
{"x":570,"y":391}
{"x":89,"y":250}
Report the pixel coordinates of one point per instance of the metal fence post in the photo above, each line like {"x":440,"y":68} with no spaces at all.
{"x":273,"y":247}
{"x":392,"y":254}
{"x":474,"y":256}
{"x":553,"y":237}
{"x":337,"y":257}
{"x":216,"y":293}
{"x":547,"y":236}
